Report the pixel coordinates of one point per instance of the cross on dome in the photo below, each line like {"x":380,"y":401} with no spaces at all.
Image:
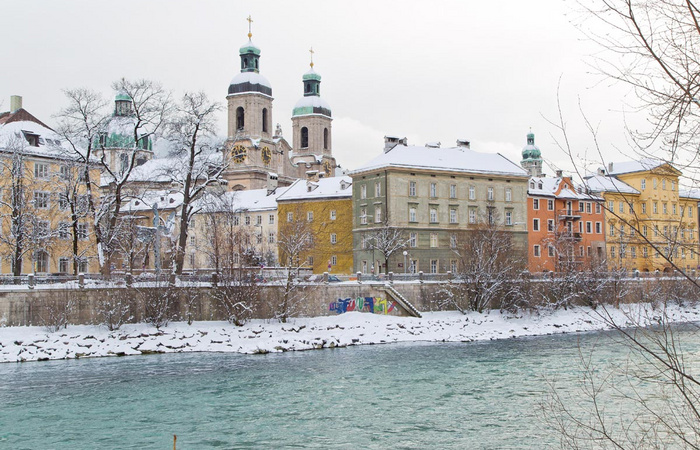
{"x":250,"y":22}
{"x":311,"y":51}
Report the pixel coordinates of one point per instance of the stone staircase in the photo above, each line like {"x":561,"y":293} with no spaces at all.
{"x":401,"y":300}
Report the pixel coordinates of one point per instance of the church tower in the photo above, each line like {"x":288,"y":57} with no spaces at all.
{"x":311,"y":125}
{"x":532,"y":158}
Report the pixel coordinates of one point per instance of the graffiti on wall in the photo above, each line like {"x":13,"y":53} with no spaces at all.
{"x":374,"y":305}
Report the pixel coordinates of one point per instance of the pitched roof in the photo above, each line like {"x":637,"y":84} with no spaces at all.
{"x":334,"y":187}
{"x":555,"y":187}
{"x":452,"y":159}
{"x":21,"y":115}
{"x":239,"y":201}
{"x":643,"y":165}
{"x":603,"y":183}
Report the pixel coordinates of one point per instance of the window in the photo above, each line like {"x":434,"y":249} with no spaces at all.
{"x":621,"y":207}
{"x":612,"y":251}
{"x":333,"y":214}
{"x":310,"y":216}
{"x":271,"y":237}
{"x":290,"y":217}
{"x":472,"y":215}
{"x":491,"y":216}
{"x":433,"y":215}
{"x":412,"y":214}
{"x":377,"y":189}
{"x":62,"y":202}
{"x":453,"y":215}
{"x":645,"y":252}
{"x":258,"y":219}
{"x":65,"y":173}
{"x":597,"y":208}
{"x":413,"y":266}
{"x":453,"y":265}
{"x":377,"y":214}
{"x":271,"y":219}
{"x":509,"y":217}
{"x":412,"y":188}
{"x":310,"y":260}
{"x":63,"y":230}
{"x":690,"y":212}
{"x":612,"y":230}
{"x":654,"y":183}
{"x":240,"y":118}
{"x":665,"y":207}
{"x":611,"y":205}
{"x":264,"y":120}
{"x":237,"y":220}
{"x":453,"y":191}
{"x":489,"y":194}
{"x":550,"y":224}
{"x":63,"y":265}
{"x":644,"y":230}
{"x":535,"y":224}
{"x":334,"y":238}
{"x":598,"y":227}
{"x":682,"y":211}
{"x":325,"y":138}
{"x":644,"y":208}
{"x":83,"y":232}
{"x":453,"y":241}
{"x":509,"y":195}
{"x":258,"y":238}
{"x":673,"y":209}
{"x":655,"y":207}
{"x":433,"y":266}
{"x":663,"y":184}
{"x":536,"y":250}
{"x":622,"y":230}
{"x":580,"y":206}
{"x":363,"y":216}
{"x":41,"y":259}
{"x":363,"y":191}
{"x":41,"y":170}
{"x":644,"y":183}
{"x":41,"y":200}
{"x":550,"y":205}
{"x":550,"y":250}
{"x":304,"y":137}
{"x":433,"y":190}
{"x":192,"y":260}
{"x":472,"y":193}
{"x":673,"y":185}
{"x":535,"y":203}
{"x":433,"y":240}
{"x":247,"y":220}
{"x":588,"y":207}
{"x":413,"y":241}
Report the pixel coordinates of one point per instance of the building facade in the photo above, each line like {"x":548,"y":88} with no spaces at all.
{"x":430,"y":196}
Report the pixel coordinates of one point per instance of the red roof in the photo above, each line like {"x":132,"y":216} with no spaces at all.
{"x":21,"y":115}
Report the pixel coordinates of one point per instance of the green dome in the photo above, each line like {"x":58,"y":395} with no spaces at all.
{"x":311,"y":75}
{"x":249,"y":48}
{"x":122,"y":96}
{"x":531,"y":151}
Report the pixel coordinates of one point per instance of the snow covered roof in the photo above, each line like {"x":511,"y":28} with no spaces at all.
{"x":36,"y":138}
{"x":603,"y":183}
{"x":689,"y":193}
{"x":250,"y":200}
{"x":452,"y":159}
{"x":311,"y":104}
{"x":644,"y":164}
{"x":334,"y":187}
{"x":548,"y":187}
{"x":162,"y":198}
{"x":249,"y":82}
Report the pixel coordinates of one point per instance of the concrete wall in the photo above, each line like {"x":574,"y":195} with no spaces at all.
{"x":35,"y":307}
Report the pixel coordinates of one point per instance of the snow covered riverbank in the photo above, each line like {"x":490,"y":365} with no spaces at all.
{"x":258,"y":336}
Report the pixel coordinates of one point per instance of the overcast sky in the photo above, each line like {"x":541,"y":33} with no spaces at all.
{"x":430,"y":71}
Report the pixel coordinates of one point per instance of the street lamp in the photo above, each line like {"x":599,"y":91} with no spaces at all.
{"x":405,"y":259}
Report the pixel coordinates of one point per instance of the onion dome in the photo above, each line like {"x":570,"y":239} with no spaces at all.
{"x":119,"y":130}
{"x":250,"y":80}
{"x":531,"y":151}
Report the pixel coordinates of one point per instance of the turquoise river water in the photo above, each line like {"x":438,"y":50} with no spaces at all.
{"x":404,"y":396}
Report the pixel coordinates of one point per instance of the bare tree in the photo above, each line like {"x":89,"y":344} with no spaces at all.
{"x":195,"y":162}
{"x":387,"y":241}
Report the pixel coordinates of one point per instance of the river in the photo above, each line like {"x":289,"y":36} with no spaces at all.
{"x":404,"y":396}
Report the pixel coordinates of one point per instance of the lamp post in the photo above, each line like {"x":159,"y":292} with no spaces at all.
{"x":405,"y":260}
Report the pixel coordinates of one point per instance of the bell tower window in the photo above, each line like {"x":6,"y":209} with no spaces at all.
{"x":304,"y":137}
{"x":325,"y":138}
{"x":307,"y":88}
{"x":240,"y":121}
{"x":264,"y":120}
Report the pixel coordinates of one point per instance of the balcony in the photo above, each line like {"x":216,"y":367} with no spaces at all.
{"x":568,"y":214}
{"x":571,"y":236}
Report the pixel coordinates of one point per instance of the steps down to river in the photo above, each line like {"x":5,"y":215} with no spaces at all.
{"x":401,"y":300}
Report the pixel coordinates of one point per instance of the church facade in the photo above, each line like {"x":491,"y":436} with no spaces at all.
{"x":257,"y":155}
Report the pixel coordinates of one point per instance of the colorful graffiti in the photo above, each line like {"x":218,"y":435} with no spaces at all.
{"x":374,"y":305}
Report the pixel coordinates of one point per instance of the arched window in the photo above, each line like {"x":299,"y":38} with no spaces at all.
{"x":256,"y":63}
{"x":325,"y":138}
{"x":239,"y":118}
{"x":307,"y":88}
{"x":264,"y":118}
{"x":245,"y":63}
{"x":42,"y":261}
{"x":304,"y":137}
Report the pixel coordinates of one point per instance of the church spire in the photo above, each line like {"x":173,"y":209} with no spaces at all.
{"x":250,"y":54}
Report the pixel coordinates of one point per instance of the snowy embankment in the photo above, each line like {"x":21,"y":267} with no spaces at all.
{"x":258,"y":336}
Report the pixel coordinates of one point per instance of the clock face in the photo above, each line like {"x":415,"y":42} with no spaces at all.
{"x":327,"y":168}
{"x":239,"y":153}
{"x":266,"y":155}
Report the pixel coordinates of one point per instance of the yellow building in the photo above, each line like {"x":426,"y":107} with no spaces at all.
{"x":647,"y":217}
{"x":44,"y":214}
{"x":324,"y":208}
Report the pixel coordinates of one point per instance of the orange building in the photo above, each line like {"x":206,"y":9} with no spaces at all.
{"x":565,"y":226}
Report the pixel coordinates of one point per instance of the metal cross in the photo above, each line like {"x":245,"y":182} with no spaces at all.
{"x":311,"y":51}
{"x":250,"y":22}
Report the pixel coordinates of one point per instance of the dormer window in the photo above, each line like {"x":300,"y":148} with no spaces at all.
{"x":32,"y":139}
{"x":539,"y":185}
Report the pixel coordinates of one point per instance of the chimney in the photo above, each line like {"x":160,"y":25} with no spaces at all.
{"x":601,"y":171}
{"x":610,"y":168}
{"x":271,"y":183}
{"x":392,"y":141}
{"x":15,"y":103}
{"x":559,"y":173}
{"x":311,"y":175}
{"x":463,"y":143}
